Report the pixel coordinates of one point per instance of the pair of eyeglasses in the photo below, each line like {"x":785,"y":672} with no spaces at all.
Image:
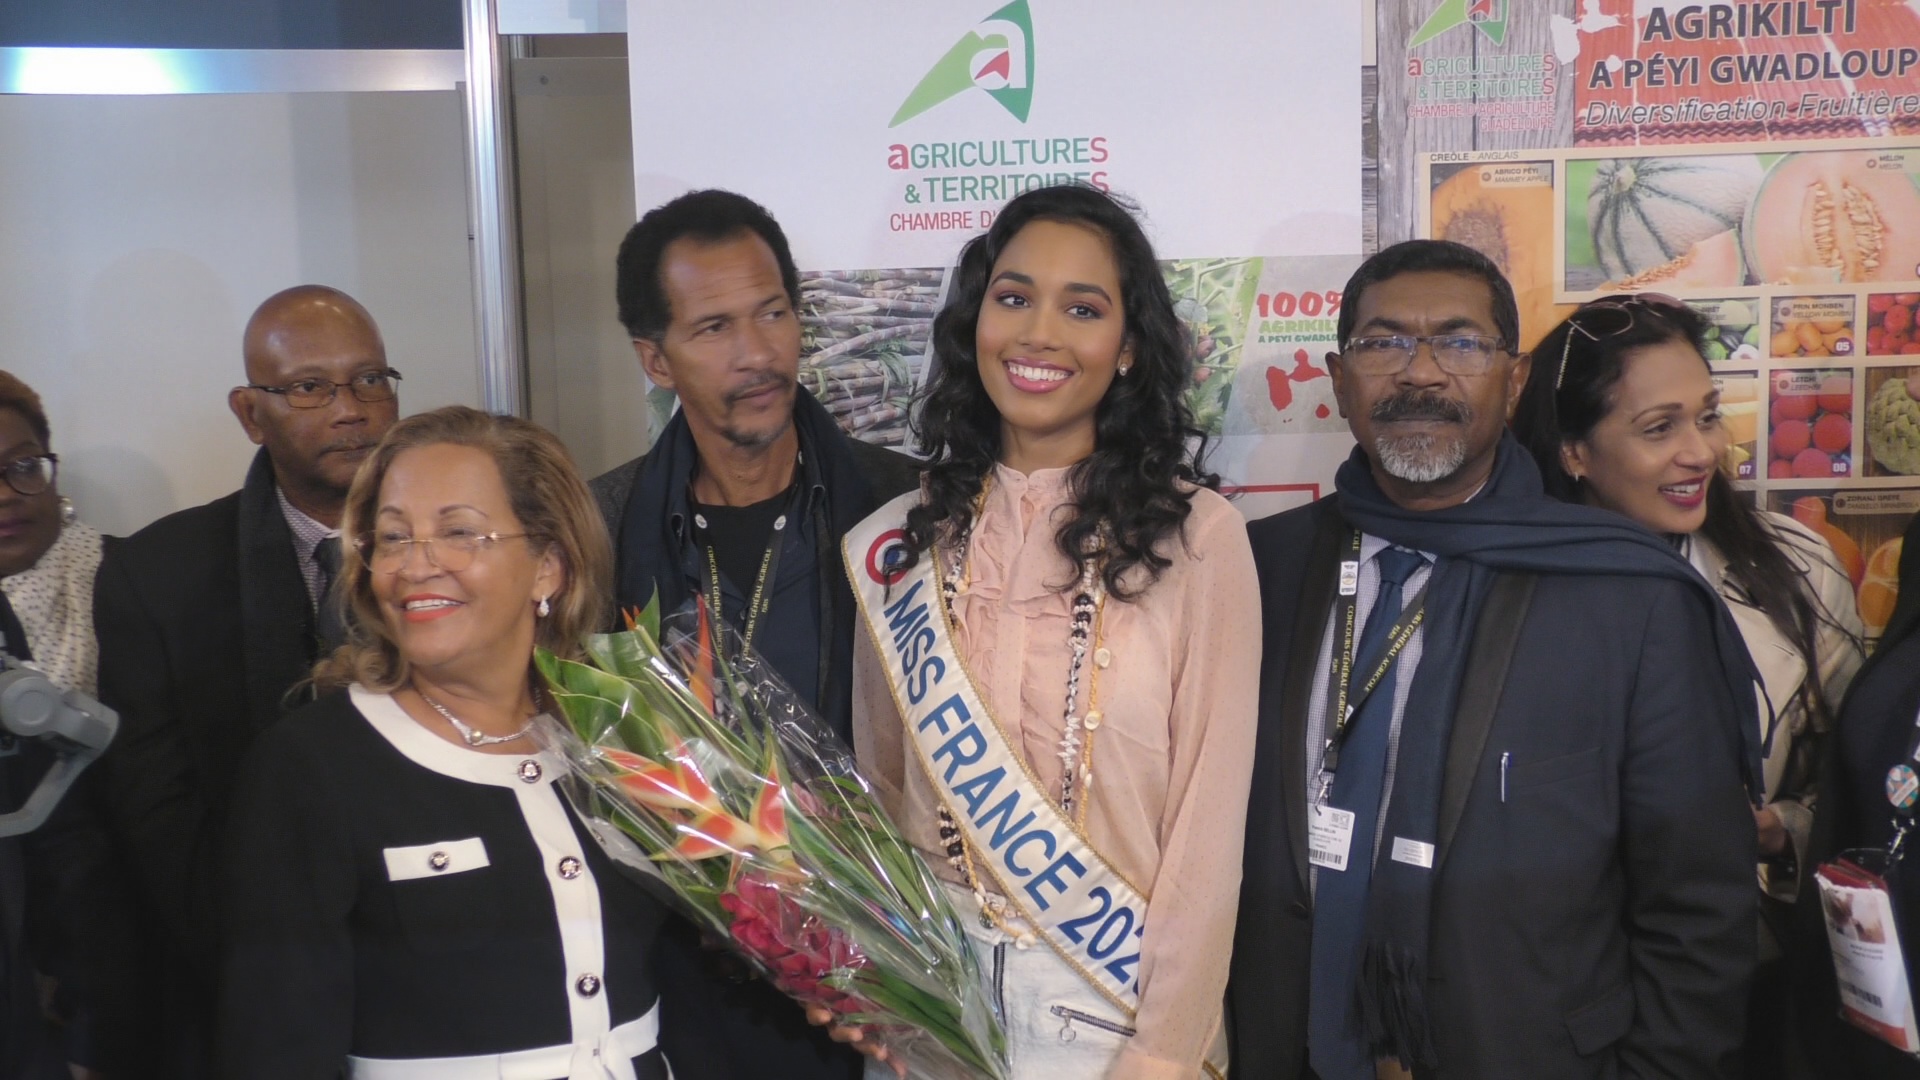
{"x":1610,"y":315}
{"x":451,"y":551}
{"x":368,"y":386}
{"x":1390,"y":354}
{"x":31,"y":475}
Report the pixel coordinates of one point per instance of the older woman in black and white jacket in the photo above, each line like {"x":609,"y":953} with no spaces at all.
{"x":410,"y":898}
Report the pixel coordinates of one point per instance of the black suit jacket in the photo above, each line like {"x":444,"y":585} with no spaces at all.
{"x":204,"y":627}
{"x":1593,"y":911}
{"x":1873,"y":731}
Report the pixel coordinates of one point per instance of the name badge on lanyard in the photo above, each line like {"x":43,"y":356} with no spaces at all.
{"x":1868,"y":963}
{"x":1349,"y":577}
{"x":1346,"y":699}
{"x":1329,"y":836}
{"x":1863,"y":926}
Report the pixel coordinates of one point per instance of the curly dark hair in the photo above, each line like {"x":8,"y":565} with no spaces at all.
{"x":1136,"y":489}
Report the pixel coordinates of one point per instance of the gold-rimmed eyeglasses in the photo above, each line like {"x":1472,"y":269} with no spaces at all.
{"x":386,"y":552}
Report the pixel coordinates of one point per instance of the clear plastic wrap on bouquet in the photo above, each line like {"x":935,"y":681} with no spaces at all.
{"x":699,"y":770}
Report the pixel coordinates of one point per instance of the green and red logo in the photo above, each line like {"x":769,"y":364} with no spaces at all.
{"x":1487,"y":16}
{"x":996,"y":56}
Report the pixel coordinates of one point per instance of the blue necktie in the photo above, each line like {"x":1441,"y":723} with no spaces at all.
{"x":1335,"y":1047}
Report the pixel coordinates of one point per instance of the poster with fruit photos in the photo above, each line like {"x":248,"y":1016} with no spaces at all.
{"x":1805,"y":256}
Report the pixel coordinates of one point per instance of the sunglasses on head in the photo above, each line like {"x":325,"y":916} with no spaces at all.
{"x":1610,"y":315}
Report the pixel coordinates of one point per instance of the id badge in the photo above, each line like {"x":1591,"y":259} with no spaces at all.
{"x":1329,"y":836}
{"x":1868,"y":962}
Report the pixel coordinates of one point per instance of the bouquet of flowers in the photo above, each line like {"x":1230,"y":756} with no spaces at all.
{"x":695,"y":766}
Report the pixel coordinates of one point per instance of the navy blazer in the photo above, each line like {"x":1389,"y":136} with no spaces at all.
{"x":1593,"y":903}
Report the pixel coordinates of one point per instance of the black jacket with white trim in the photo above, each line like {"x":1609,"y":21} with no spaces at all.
{"x":393,"y":897}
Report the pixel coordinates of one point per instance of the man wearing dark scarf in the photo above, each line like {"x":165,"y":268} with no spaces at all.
{"x":1529,"y":854}
{"x":744,"y":498}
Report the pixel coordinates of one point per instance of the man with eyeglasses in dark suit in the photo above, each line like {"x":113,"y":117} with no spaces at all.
{"x":209,"y":619}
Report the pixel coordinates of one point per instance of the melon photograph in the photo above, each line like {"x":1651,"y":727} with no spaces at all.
{"x":1836,"y":216}
{"x":1659,"y":223}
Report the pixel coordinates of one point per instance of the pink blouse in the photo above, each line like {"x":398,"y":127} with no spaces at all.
{"x":1171,"y":762}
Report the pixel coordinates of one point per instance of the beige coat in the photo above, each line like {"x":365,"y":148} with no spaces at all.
{"x":1791,"y":766}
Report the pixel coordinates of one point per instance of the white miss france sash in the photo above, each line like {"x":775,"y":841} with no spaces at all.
{"x":1040,"y":862}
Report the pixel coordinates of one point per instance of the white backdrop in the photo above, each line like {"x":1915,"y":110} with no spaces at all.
{"x":1234,"y":124}
{"x":138,"y":233}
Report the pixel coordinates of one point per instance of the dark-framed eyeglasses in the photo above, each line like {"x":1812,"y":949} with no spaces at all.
{"x":1390,"y":354}
{"x":32,"y":475}
{"x":387,"y":552}
{"x":368,"y":386}
{"x":1610,"y":315}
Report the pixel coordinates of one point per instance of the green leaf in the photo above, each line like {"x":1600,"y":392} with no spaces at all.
{"x":625,"y":654}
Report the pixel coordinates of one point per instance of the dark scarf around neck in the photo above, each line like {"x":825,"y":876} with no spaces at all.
{"x":1509,"y":526}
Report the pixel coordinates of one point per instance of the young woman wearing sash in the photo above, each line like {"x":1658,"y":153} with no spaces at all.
{"x":1057,"y":692}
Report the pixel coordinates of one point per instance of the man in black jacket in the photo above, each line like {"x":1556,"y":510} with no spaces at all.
{"x":743,"y":499}
{"x":1498,"y":826}
{"x":210,"y":617}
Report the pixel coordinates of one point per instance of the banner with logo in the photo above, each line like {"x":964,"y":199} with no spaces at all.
{"x":883,"y":135}
{"x":1759,"y":160}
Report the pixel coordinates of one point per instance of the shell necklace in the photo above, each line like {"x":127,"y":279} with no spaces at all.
{"x":1075,"y":753}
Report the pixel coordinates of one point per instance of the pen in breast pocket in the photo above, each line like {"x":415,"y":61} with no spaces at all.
{"x":1505,"y":757}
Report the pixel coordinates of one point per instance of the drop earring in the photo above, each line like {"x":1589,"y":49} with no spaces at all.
{"x":545,"y":609}
{"x":68,"y":515}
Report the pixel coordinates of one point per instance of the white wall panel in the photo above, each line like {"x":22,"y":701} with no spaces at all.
{"x":138,"y":233}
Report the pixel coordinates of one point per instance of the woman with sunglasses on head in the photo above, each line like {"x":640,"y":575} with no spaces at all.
{"x":1057,"y":694}
{"x":1621,"y":412}
{"x":408,"y":893}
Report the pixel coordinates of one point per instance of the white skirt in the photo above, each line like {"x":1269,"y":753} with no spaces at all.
{"x":1058,"y":1027}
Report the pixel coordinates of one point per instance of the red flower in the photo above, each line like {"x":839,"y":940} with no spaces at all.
{"x":677,"y":791}
{"x":797,"y":948}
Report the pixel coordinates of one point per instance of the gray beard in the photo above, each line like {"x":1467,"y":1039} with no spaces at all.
{"x":756,"y":440}
{"x":1420,"y":459}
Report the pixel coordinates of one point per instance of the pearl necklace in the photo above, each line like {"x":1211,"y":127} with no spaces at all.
{"x":1075,"y":753}
{"x":474,"y":736}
